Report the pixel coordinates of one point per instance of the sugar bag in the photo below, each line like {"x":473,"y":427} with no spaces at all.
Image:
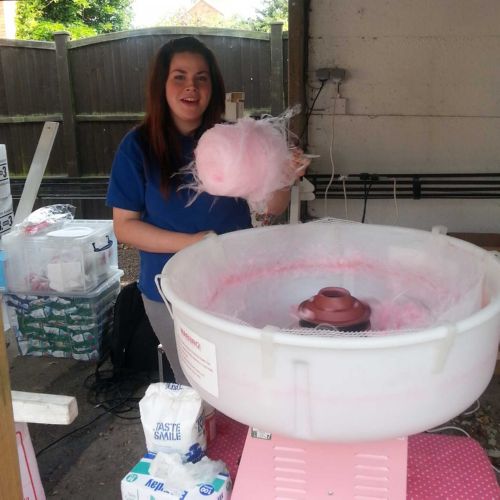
{"x":172,"y":417}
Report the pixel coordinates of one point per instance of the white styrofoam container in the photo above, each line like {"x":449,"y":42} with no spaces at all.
{"x":6,"y":214}
{"x":74,"y":258}
{"x":6,"y":210}
{"x":4,"y":173}
{"x":342,"y":388}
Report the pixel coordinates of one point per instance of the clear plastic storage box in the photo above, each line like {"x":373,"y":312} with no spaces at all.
{"x":73,"y":258}
{"x":64,"y":326}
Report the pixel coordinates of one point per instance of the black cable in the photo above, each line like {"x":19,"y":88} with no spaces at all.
{"x":311,"y":109}
{"x":114,"y":406}
{"x":105,"y":389}
{"x":365,"y":198}
{"x":64,"y":436}
{"x":114,"y":394}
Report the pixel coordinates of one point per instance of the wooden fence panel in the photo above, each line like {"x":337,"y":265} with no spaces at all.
{"x":28,"y":80}
{"x":97,"y":143}
{"x":104,"y":96}
{"x":109,"y":74}
{"x":29,"y":96}
{"x":108,"y":77}
{"x":21,"y":140}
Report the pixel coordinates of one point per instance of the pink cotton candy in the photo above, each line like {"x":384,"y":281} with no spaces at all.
{"x":249,"y":159}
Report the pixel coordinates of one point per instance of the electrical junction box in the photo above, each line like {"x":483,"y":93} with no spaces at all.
{"x":340,"y":106}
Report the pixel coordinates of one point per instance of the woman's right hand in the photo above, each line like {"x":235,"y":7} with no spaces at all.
{"x":299,"y":163}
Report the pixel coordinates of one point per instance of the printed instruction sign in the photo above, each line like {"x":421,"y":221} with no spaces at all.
{"x":198,"y":359}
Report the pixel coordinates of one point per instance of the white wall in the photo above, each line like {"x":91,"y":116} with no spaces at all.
{"x":423,"y":96}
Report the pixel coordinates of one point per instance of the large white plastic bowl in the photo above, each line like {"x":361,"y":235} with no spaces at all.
{"x":341,"y":389}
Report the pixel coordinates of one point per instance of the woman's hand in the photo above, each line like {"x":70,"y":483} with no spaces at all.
{"x":279,"y":200}
{"x":299,"y":163}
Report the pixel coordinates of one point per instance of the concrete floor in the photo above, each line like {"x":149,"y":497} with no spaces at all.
{"x":90,"y":463}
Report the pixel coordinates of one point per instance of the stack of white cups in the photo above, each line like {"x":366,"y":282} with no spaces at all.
{"x":6,"y":210}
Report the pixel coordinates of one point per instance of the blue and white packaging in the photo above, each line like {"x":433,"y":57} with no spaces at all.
{"x":173,"y":420}
{"x":139,"y":484}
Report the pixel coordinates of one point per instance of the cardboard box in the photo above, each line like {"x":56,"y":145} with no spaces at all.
{"x":138,"y":484}
{"x":235,"y":106}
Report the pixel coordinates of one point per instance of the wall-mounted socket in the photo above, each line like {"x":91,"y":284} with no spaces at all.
{"x":323,"y":74}
{"x":336,"y":75}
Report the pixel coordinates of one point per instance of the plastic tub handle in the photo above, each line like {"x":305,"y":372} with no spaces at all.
{"x":108,"y":244}
{"x":167,"y":303}
{"x":267,"y":349}
{"x":444,"y":347}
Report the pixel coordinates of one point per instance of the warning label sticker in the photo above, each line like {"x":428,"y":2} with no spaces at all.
{"x":198,"y":359}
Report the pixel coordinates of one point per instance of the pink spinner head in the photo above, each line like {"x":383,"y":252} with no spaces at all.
{"x":337,"y":308}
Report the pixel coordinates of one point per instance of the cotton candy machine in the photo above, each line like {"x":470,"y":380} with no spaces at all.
{"x":428,"y":352}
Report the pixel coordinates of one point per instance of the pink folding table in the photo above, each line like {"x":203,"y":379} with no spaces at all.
{"x":439,"y":467}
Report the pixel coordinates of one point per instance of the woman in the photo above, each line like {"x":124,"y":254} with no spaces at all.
{"x":185,"y":97}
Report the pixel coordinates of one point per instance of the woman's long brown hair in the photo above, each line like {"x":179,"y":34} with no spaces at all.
{"x":158,"y":128}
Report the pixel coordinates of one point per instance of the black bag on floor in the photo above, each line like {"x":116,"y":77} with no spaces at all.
{"x":133,"y":343}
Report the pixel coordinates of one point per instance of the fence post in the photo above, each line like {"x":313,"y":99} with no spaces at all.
{"x":68,"y":110}
{"x":297,"y":49}
{"x":277,"y":93}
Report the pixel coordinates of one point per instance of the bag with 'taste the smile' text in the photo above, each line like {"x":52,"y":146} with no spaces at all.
{"x":173,"y":420}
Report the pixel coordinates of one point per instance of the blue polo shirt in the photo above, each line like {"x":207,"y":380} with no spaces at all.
{"x":133,"y":187}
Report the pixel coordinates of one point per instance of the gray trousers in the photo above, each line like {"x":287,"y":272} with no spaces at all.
{"x":163,"y":326}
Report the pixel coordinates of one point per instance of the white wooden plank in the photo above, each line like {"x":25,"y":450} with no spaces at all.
{"x":36,"y":171}
{"x":38,"y":408}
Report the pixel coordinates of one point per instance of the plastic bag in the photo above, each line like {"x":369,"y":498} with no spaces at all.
{"x":185,"y":476}
{"x":47,"y":218}
{"x":173,"y":420}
